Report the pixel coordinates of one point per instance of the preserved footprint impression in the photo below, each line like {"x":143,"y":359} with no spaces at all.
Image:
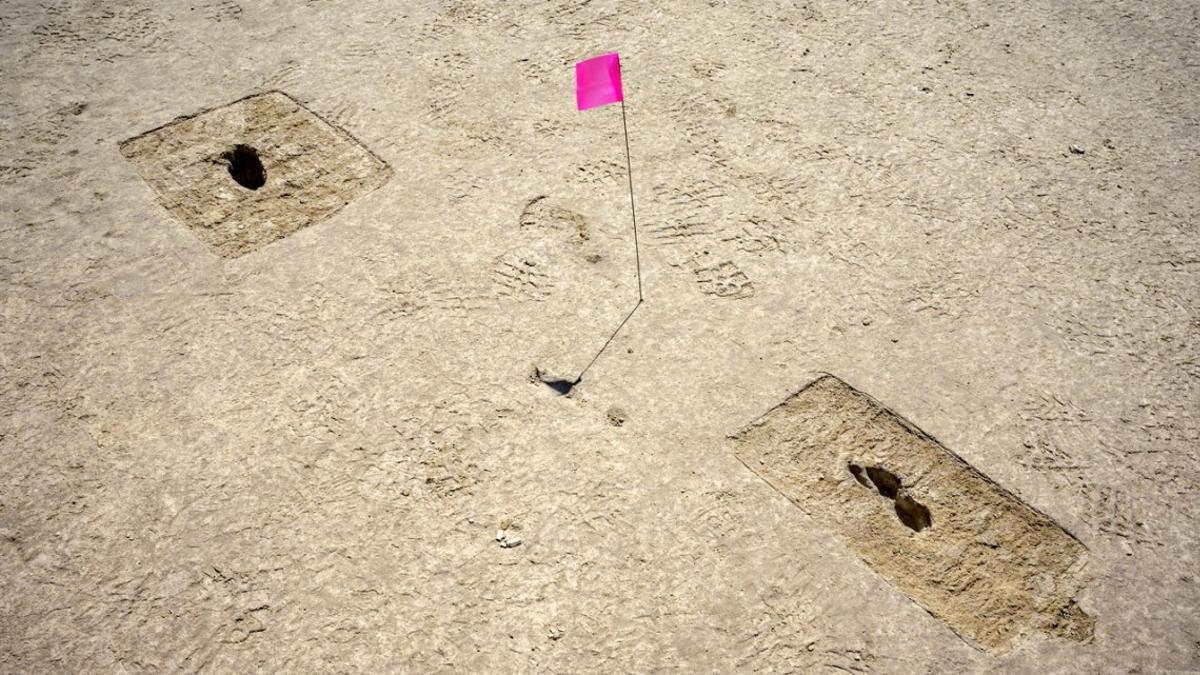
{"x":971,"y":553}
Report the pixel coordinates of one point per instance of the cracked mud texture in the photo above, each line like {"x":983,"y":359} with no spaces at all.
{"x":298,"y":458}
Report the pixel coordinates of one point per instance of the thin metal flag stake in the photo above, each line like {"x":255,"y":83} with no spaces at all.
{"x":598,"y":82}
{"x":637,"y":255}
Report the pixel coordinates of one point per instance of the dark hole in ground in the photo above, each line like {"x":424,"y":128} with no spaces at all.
{"x":859,"y":475}
{"x":885,"y":481}
{"x":245,"y":167}
{"x":912,"y":513}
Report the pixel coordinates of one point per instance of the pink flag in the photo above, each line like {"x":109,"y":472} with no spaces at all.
{"x":598,"y":81}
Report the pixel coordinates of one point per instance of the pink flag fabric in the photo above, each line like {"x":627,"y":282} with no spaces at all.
{"x":598,"y":81}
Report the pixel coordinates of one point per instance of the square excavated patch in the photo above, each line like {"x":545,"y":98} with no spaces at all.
{"x":253,"y":171}
{"x":968,"y":551}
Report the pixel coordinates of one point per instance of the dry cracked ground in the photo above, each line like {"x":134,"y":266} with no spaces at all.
{"x":274,"y":277}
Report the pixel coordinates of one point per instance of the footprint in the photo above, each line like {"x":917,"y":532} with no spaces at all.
{"x":724,"y":280}
{"x":541,"y":213}
{"x":912,"y":513}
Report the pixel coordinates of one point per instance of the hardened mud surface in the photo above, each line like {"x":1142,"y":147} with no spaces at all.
{"x":962,"y":547}
{"x":253,"y":171}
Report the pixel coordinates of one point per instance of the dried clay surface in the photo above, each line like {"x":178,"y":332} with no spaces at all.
{"x":964,"y":548}
{"x":223,"y":449}
{"x":253,"y":171}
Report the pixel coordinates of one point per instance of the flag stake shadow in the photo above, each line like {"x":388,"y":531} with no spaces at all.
{"x":564,"y":387}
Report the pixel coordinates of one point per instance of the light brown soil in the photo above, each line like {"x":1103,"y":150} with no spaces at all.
{"x":312,"y":171}
{"x":961,"y":546}
{"x":298,"y":459}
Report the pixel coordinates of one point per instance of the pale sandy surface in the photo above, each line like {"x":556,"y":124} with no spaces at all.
{"x":298,"y":459}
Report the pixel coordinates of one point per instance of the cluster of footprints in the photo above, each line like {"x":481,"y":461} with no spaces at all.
{"x":990,"y":566}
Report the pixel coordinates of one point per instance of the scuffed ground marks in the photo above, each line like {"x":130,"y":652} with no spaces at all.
{"x":546,"y":219}
{"x":93,"y":32}
{"x":717,"y":232}
{"x":37,"y":139}
{"x":556,"y":246}
{"x":443,"y":440}
{"x":522,"y":275}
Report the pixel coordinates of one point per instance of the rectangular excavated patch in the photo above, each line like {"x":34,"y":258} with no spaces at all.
{"x":253,"y":171}
{"x":967,"y":550}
